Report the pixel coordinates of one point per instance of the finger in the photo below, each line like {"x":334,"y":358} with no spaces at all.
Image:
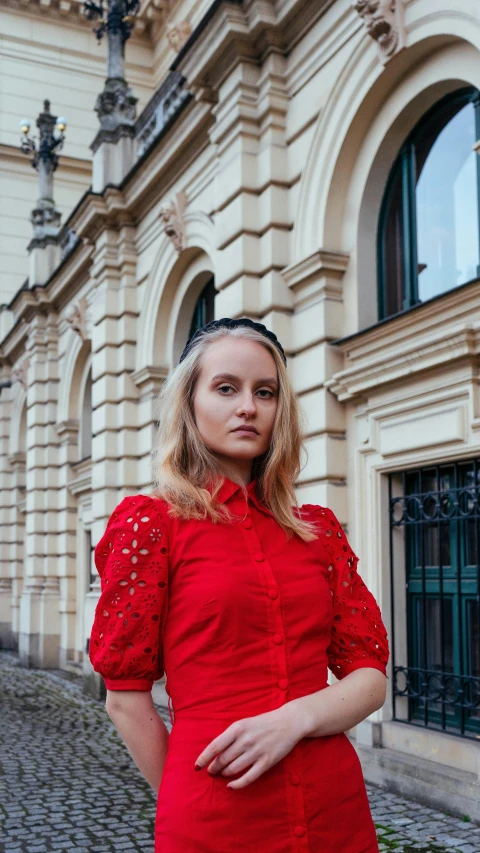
{"x":225,"y":758}
{"x":241,"y":763}
{"x":216,"y":746}
{"x":247,"y":777}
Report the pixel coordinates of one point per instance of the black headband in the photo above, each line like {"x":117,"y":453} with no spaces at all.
{"x":227,"y":323}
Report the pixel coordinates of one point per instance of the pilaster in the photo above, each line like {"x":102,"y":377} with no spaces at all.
{"x":116,"y":445}
{"x":317,"y":294}
{"x":45,"y":539}
{"x":251,"y":192}
{"x":7,"y":527}
{"x":15,"y":536}
{"x":69,"y":560}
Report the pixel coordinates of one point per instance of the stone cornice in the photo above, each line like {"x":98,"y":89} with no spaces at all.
{"x":319,"y":275}
{"x":149,"y":380}
{"x":361,"y":380}
{"x":232,"y":30}
{"x":321,"y":263}
{"x":99,"y":211}
{"x":437,"y":333}
{"x":72,"y":11}
{"x":82,"y":477}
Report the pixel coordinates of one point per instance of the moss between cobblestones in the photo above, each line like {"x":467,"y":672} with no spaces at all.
{"x":388,"y":843}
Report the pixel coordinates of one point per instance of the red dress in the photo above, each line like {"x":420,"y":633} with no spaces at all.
{"x":241,"y":620}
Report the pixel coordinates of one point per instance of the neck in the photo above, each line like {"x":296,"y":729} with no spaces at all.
{"x":238,"y":470}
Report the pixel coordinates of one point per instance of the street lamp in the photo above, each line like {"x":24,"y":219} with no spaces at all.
{"x":45,"y":218}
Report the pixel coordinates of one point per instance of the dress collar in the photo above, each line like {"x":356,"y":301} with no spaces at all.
{"x":229,"y":488}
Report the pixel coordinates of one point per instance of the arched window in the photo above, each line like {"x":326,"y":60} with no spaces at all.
{"x":204,"y":310}
{"x":429,"y":227}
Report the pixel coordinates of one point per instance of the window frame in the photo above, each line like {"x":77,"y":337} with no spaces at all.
{"x":405,"y":164}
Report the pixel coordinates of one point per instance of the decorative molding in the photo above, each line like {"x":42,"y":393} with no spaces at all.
{"x":81,"y":481}
{"x":172,"y":218}
{"x":112,"y":136}
{"x":116,"y":105}
{"x":162,"y":109}
{"x":363,"y":376}
{"x":77,"y":318}
{"x":67,"y":431}
{"x":321,"y":263}
{"x":149,"y":374}
{"x":177,"y":34}
{"x":20,"y":373}
{"x":384,"y":23}
{"x":17,"y":460}
{"x":319,"y":274}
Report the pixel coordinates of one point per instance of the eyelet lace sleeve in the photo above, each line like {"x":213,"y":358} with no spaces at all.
{"x":358,"y":635}
{"x":132,"y":561}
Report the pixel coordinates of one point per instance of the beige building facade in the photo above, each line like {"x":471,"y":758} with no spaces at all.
{"x":312,"y":165}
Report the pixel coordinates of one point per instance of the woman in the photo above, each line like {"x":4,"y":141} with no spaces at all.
{"x":243,"y":599}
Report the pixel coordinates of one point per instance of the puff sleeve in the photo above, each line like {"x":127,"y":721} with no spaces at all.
{"x":358,"y":635}
{"x":132,"y":561}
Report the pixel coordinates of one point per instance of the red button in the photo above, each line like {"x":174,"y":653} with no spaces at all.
{"x":273,"y":594}
{"x":295,"y":779}
{"x":283,"y":683}
{"x":259,"y":558}
{"x":277,"y":639}
{"x":299,"y":831}
{"x":247,"y":524}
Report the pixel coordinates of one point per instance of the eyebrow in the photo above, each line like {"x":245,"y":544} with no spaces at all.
{"x":269,"y":380}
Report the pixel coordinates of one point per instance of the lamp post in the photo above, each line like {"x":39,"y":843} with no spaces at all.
{"x":116,"y":104}
{"x":45,"y":218}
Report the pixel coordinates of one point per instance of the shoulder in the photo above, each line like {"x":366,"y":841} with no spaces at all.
{"x":138,"y":522}
{"x":138,"y":506}
{"x":320,"y":514}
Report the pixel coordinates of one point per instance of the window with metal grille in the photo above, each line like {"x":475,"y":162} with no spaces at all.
{"x":435,"y":582}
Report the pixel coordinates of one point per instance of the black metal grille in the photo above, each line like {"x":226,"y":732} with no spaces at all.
{"x":435,"y":583}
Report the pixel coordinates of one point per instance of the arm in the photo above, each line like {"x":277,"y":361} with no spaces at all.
{"x":339,"y":707}
{"x":143,"y":732}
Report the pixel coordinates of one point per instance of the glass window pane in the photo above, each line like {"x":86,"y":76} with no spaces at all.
{"x":392,"y":248}
{"x":473,"y":652}
{"x":429,"y":625}
{"x":204,"y":311}
{"x":447,"y":203}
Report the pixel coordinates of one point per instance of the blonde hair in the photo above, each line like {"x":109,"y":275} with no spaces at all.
{"x":184,"y":468}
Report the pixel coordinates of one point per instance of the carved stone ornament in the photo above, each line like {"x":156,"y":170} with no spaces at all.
{"x":172,"y":218}
{"x":384,"y":23}
{"x":76,"y":318}
{"x":177,"y":35}
{"x":20,"y":373}
{"x":116,"y":105}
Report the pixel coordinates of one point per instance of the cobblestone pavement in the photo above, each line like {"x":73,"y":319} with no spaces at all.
{"x":71,"y":784}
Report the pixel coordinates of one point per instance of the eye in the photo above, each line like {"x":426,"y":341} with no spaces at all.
{"x":266,"y":391}
{"x":220,"y":387}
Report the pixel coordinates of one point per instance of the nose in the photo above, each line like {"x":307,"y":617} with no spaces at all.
{"x":247,"y":404}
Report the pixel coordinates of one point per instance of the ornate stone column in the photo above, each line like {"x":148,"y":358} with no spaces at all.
{"x":45,"y":540}
{"x":117,"y":430}
{"x":8,"y":568}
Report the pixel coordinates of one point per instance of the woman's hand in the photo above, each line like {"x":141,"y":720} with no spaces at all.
{"x":256,"y":743}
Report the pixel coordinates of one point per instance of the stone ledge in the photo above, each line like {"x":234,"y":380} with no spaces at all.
{"x":435,"y":785}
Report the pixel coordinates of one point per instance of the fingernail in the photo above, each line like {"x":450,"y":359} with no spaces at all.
{"x":198,"y":767}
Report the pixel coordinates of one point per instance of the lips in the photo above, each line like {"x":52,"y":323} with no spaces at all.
{"x":246,"y":429}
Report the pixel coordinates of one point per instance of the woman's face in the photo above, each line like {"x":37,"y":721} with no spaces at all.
{"x":237,"y":387}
